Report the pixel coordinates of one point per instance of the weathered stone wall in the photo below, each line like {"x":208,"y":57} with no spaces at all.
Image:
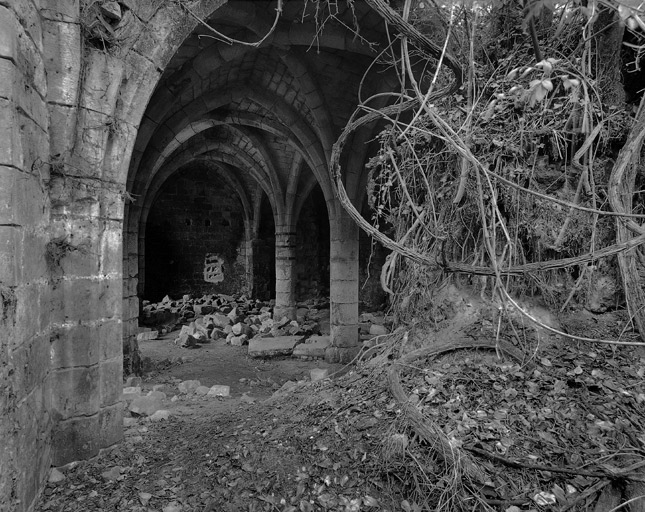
{"x":86,"y":122}
{"x":25,"y":322}
{"x":264,"y":255}
{"x":195,"y":214}
{"x":312,"y":249}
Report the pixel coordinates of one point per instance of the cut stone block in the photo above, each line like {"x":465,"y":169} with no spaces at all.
{"x":270,"y":347}
{"x":314,"y":347}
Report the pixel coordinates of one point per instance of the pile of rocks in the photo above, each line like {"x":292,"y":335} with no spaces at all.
{"x":223,"y":317}
{"x":240,"y":321}
{"x":151,"y":404}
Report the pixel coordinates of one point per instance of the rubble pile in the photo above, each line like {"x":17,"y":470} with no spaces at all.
{"x":238,"y":320}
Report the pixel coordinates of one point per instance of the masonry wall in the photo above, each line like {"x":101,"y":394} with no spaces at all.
{"x":312,"y":249}
{"x":25,"y":323}
{"x":264,"y":255}
{"x":195,"y":232}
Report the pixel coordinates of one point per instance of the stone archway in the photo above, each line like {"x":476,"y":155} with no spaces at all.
{"x":96,"y":123}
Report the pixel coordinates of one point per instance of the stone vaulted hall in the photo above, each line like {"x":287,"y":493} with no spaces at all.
{"x":160,"y":147}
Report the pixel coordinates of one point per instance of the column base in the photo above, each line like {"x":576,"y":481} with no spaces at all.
{"x":341,"y":355}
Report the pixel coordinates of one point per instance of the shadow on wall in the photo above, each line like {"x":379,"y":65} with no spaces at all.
{"x":194,"y":237}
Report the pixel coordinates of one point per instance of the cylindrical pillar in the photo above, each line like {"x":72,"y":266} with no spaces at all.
{"x":343,"y":294}
{"x":285,"y":275}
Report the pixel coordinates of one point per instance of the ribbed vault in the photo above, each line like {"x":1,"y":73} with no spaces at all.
{"x":267,"y":117}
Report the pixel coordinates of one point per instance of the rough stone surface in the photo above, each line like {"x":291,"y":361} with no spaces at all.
{"x":318,"y":374}
{"x":160,"y":415}
{"x":188,"y":386}
{"x":341,"y":355}
{"x":219,"y":390}
{"x":147,"y":335}
{"x":55,"y":476}
{"x":271,"y":347}
{"x":202,"y":390}
{"x":145,"y":405}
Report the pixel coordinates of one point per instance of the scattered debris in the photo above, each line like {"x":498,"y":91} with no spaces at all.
{"x":239,"y":321}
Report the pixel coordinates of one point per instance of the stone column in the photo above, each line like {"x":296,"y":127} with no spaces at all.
{"x":343,"y":293}
{"x":285,"y":276}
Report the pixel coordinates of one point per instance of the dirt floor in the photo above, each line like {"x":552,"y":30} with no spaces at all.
{"x":219,"y":363}
{"x":554,"y":425}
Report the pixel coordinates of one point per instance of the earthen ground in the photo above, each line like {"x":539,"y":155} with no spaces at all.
{"x":217,"y":363}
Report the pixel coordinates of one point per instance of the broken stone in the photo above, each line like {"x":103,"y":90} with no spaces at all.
{"x":378,"y":330}
{"x":55,"y":476}
{"x":201,"y":337}
{"x":282,"y":322}
{"x":203,"y":309}
{"x":238,"y":329}
{"x":245,"y":398}
{"x":160,"y":415}
{"x":366,"y":318}
{"x":217,"y":334}
{"x":145,"y":497}
{"x":188,"y":386}
{"x":131,"y":393}
{"x":202,"y":390}
{"x":111,"y":474}
{"x":173,"y":506}
{"x":145,"y":405}
{"x":286,"y":387}
{"x":129,"y":422}
{"x":314,"y":347}
{"x":220,"y":320}
{"x":269,"y":347}
{"x":157,"y":394}
{"x":147,"y":335}
{"x":318,"y":374}
{"x":186,"y":341}
{"x":111,"y":10}
{"x":132,"y":381}
{"x":239,"y":341}
{"x":219,"y":390}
